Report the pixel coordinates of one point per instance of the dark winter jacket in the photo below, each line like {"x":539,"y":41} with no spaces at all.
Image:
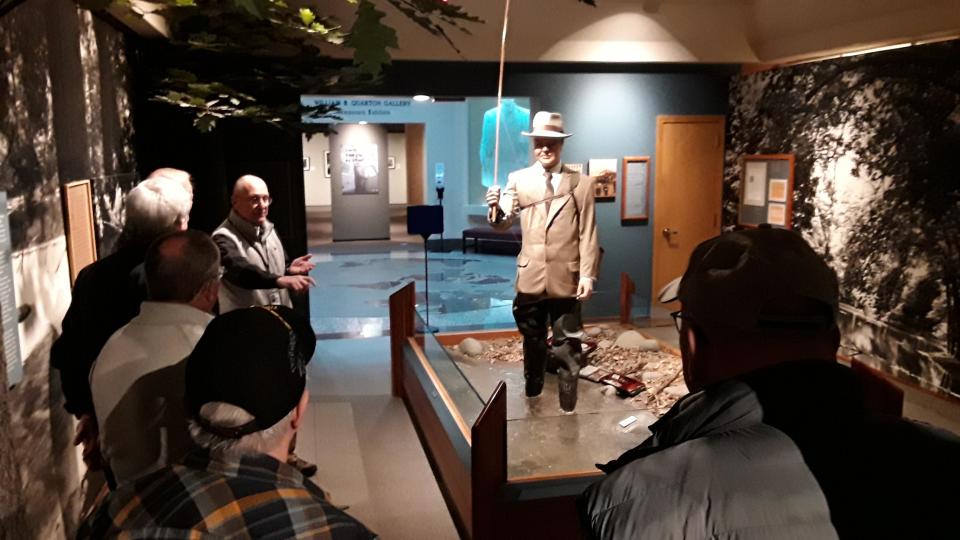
{"x":786,"y":452}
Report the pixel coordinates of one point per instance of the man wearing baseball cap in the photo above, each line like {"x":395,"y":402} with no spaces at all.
{"x":559,"y":256}
{"x":246,"y":398}
{"x":776,"y":439}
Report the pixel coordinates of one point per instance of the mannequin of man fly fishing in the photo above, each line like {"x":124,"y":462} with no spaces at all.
{"x":559,"y":257}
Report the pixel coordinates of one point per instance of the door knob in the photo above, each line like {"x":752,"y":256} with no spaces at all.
{"x":668,"y":232}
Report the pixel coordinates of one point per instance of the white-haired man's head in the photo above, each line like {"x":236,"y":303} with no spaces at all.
{"x":182,"y":178}
{"x":155,"y":207}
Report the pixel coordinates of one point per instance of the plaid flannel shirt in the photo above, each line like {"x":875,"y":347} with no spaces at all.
{"x":222,"y":495}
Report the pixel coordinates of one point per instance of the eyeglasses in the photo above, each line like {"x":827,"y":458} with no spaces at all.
{"x":262,"y":200}
{"x":677,"y":317}
{"x":546,"y":143}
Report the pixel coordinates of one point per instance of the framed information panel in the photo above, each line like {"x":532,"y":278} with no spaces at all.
{"x":8,"y":300}
{"x":81,"y":239}
{"x":635,"y":190}
{"x":766,"y":190}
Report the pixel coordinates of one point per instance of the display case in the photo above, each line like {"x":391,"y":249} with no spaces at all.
{"x":507,"y":466}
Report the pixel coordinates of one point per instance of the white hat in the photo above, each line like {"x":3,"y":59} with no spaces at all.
{"x":547,"y":124}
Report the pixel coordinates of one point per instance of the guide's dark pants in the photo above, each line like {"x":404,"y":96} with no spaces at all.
{"x":532,"y":313}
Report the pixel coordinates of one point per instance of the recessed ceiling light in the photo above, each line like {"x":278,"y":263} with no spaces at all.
{"x":422,"y":97}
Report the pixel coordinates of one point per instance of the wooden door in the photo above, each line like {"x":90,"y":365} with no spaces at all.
{"x":688,"y":195}
{"x":415,"y":162}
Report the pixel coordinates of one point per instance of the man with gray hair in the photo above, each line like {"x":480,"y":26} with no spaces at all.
{"x":246,"y":398}
{"x":107,"y":294}
{"x":137,"y":381}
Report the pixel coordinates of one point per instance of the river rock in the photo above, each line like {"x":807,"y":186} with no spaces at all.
{"x":649,"y":345}
{"x":592,"y":331}
{"x":471,"y":347}
{"x":631,"y":339}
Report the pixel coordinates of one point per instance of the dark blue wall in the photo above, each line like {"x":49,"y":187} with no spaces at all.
{"x":613,"y":115}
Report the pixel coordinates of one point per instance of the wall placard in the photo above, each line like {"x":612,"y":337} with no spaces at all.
{"x":766,"y":190}
{"x":81,"y":237}
{"x":8,"y":300}
{"x":635,"y":190}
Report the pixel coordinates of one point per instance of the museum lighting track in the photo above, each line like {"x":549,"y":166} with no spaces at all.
{"x":877,"y":49}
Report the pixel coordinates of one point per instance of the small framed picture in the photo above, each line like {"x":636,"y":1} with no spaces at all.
{"x":326,"y":164}
{"x":777,"y":214}
{"x":778,"y":190}
{"x":605,"y":171}
{"x":635,"y":189}
{"x":306,"y":163}
{"x":391,"y":162}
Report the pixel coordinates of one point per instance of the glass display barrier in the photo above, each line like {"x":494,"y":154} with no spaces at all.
{"x":503,"y":460}
{"x":465,"y":397}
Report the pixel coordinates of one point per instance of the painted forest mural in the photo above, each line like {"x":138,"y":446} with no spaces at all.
{"x":877,"y":192}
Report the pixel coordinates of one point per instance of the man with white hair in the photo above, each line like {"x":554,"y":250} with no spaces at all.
{"x":175,"y":175}
{"x":257,"y":269}
{"x":107,"y":294}
{"x":246,"y":398}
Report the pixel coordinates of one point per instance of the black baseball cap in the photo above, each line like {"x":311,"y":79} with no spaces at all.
{"x":757,"y":278}
{"x":254,"y":358}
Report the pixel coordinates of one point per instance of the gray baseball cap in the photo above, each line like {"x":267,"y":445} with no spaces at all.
{"x":753,"y":279}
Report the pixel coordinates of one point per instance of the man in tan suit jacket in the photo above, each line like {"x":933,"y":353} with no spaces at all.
{"x":558,"y":260}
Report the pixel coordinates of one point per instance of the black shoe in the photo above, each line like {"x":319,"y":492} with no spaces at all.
{"x":305,"y":467}
{"x":568,"y":393}
{"x":534,"y":387}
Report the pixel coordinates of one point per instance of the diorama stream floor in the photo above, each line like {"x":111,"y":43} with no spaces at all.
{"x":544,"y":441}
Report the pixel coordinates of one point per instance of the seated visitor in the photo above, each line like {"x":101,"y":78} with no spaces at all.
{"x":776,"y":438}
{"x":246,"y":398}
{"x":137,"y":381}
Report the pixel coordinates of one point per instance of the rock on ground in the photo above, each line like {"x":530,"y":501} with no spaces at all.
{"x":471,"y":347}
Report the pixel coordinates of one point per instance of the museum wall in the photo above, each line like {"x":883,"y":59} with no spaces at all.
{"x":316,"y":182}
{"x":876,"y":192}
{"x":611,"y":109}
{"x":612,"y":115}
{"x":64,"y":116}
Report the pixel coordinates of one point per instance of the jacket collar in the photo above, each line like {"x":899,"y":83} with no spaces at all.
{"x":253,"y":233}
{"x":163,"y":313}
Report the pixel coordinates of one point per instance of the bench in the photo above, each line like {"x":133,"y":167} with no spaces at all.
{"x":511,"y":236}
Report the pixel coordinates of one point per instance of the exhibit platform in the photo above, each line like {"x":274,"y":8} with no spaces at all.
{"x":503,"y":461}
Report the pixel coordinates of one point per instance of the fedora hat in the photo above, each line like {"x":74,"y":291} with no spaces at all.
{"x":547,"y":124}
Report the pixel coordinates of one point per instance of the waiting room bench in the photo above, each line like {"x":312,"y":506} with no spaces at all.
{"x":511,"y":236}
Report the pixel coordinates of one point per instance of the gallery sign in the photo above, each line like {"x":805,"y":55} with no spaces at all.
{"x":353,"y":108}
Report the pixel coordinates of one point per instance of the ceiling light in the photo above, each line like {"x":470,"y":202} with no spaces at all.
{"x":422,"y":98}
{"x":876,"y":49}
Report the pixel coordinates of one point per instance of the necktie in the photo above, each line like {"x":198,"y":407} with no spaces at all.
{"x":549,"y":192}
